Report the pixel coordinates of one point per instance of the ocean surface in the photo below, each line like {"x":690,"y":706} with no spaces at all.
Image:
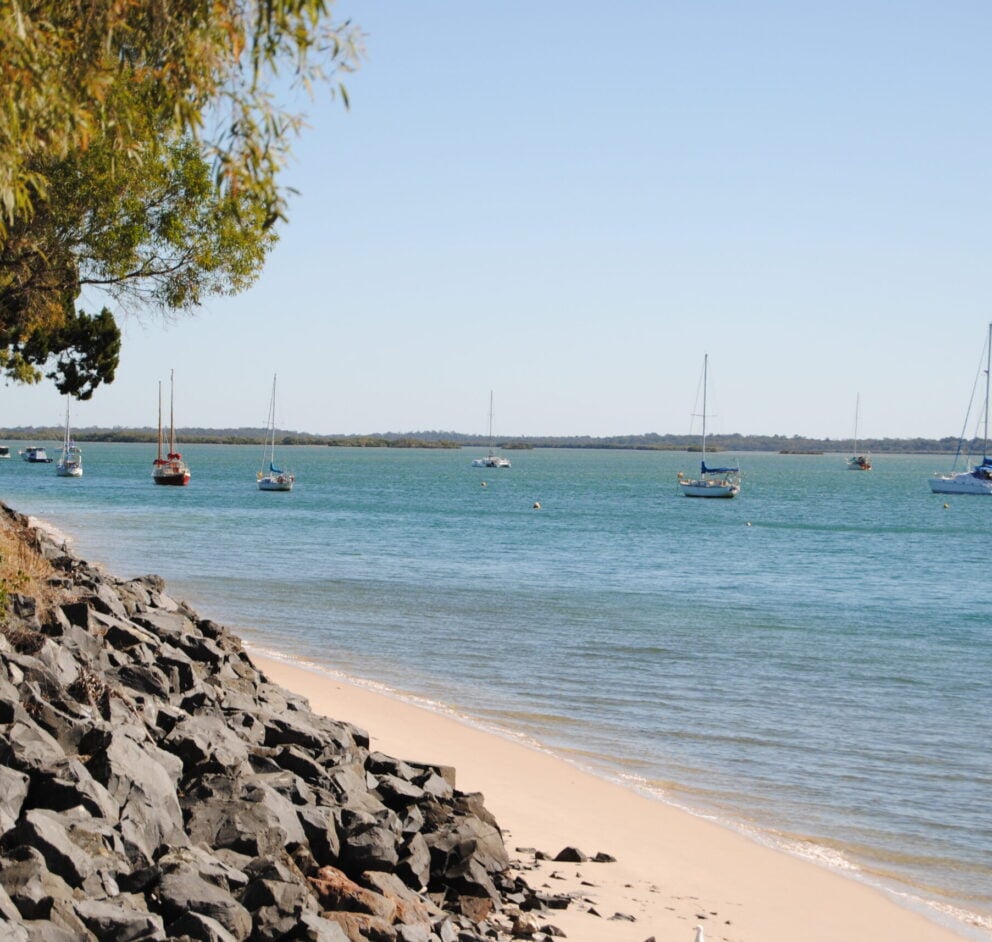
{"x":810,"y":663}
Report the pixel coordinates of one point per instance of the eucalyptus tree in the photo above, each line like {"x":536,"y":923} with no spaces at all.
{"x":140,"y":148}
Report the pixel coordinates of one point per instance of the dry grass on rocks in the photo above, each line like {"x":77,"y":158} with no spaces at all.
{"x":23,"y":570}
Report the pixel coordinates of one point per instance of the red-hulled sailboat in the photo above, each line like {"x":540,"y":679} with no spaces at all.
{"x":171,"y":469}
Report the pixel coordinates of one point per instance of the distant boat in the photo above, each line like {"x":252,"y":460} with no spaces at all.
{"x":979,"y":479}
{"x":4,"y":451}
{"x":492,"y":460}
{"x":171,"y":469}
{"x":271,"y":478}
{"x":71,"y":460}
{"x":858,"y":462}
{"x":35,"y":455}
{"x":712,"y":482}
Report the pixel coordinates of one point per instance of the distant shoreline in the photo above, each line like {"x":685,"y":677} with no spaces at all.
{"x":780,"y":444}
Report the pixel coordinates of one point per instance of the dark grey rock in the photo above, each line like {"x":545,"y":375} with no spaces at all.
{"x":108,"y":919}
{"x":200,"y":928}
{"x":122,"y":635}
{"x":33,"y":890}
{"x":8,"y":911}
{"x":368,"y":842}
{"x":291,"y":731}
{"x":183,"y":891}
{"x":143,"y":679}
{"x":142,"y":779}
{"x":246,"y":817}
{"x":397,"y":793}
{"x":313,"y":928}
{"x":13,"y":791}
{"x":26,"y":746}
{"x":414,"y":865}
{"x":320,"y":830}
{"x":228,"y":874}
{"x":206,"y":744}
{"x":46,"y":832}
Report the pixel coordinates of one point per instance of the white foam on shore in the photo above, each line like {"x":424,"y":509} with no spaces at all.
{"x":970,"y":924}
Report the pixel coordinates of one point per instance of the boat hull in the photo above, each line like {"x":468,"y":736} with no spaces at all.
{"x":281,"y":482}
{"x":490,"y":462}
{"x":967,"y":482}
{"x":859,"y":463}
{"x":171,"y":480}
{"x":724,"y":489}
{"x":171,"y":475}
{"x":69,"y":471}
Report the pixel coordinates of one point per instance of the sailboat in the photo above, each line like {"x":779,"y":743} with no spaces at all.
{"x":858,"y":462}
{"x":712,"y":482}
{"x":271,"y":478}
{"x":70,"y":463}
{"x":491,"y":460}
{"x":171,"y":469}
{"x":979,"y":479}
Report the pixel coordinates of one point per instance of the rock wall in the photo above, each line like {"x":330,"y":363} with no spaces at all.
{"x":154,"y":785}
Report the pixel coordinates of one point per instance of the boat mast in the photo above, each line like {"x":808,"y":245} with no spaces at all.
{"x":272,"y":423}
{"x":172,"y":414}
{"x":988,"y":370}
{"x":159,"y":459}
{"x":857,"y":410}
{"x":706,"y":360}
{"x":492,"y":441}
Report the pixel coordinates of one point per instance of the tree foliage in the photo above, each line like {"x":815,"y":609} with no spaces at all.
{"x":140,"y":145}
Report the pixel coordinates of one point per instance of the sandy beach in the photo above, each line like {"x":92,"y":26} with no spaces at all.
{"x":673,"y":870}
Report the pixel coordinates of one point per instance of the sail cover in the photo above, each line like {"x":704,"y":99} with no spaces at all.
{"x":705,"y":470}
{"x":274,"y":469}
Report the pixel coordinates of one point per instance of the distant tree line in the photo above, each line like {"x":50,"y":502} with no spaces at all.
{"x":795,"y":444}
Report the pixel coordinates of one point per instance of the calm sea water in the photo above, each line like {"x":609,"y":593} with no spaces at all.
{"x":811,"y":663}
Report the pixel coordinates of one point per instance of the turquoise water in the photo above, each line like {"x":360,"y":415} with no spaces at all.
{"x":811,"y":663}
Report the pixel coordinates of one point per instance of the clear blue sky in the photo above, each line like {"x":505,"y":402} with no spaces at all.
{"x":569,"y":203}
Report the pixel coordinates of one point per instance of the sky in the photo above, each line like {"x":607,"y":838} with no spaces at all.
{"x":569,"y":204}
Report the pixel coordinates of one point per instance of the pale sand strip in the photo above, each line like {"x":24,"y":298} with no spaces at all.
{"x":671,"y":866}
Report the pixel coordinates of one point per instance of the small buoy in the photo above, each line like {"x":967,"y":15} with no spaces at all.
{"x":946,"y":506}
{"x":483,"y":484}
{"x":537,"y":506}
{"x":748,"y":523}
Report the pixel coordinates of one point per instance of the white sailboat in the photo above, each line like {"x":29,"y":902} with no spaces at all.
{"x":271,"y":478}
{"x":977,"y":480}
{"x":70,"y":464}
{"x":491,"y":460}
{"x":858,"y":462}
{"x":712,"y":482}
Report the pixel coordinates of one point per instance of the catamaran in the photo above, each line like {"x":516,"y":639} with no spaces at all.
{"x":171,"y":469}
{"x":271,"y":478}
{"x":978,"y":480}
{"x":491,"y":460}
{"x":712,"y":482}
{"x":70,"y":463}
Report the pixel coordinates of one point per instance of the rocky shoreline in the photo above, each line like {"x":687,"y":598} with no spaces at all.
{"x":155,"y":785}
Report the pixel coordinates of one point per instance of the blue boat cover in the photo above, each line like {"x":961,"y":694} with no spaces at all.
{"x":706,"y":470}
